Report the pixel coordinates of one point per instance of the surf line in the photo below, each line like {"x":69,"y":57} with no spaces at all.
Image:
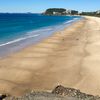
{"x":17,"y":40}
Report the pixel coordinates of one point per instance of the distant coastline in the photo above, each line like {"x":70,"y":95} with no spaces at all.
{"x":60,"y":12}
{"x":63,"y":12}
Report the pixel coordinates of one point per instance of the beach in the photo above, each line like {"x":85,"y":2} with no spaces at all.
{"x":70,"y":57}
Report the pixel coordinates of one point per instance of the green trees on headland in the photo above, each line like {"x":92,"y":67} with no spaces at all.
{"x":60,"y":11}
{"x":55,"y":11}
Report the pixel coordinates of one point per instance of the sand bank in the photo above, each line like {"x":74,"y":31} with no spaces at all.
{"x":70,"y":57}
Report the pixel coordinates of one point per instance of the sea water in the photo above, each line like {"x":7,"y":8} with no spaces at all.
{"x":20,"y":30}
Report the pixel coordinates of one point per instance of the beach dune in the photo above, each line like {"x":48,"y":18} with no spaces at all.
{"x":70,"y":57}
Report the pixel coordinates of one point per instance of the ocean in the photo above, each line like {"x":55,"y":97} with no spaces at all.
{"x":20,"y":30}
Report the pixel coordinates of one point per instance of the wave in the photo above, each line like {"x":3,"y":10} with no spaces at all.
{"x":69,"y":21}
{"x":20,"y":39}
{"x":73,"y":20}
{"x":39,"y":30}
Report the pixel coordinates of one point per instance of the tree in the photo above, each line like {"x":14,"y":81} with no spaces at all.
{"x":55,"y":11}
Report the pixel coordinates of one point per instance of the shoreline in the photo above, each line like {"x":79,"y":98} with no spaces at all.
{"x":16,"y":45}
{"x":70,"y":58}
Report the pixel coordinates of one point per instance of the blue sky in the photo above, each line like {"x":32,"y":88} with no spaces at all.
{"x":40,"y":5}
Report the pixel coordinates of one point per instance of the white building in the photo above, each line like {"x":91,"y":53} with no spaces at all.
{"x":98,"y":12}
{"x":68,"y":11}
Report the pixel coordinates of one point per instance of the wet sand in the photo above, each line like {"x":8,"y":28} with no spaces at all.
{"x":70,"y":57}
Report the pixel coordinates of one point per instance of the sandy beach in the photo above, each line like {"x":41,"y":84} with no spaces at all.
{"x":70,"y":57}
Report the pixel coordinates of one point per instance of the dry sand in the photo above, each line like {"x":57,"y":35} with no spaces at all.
{"x":70,"y":57}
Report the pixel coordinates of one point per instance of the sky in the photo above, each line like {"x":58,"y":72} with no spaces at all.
{"x":38,"y":6}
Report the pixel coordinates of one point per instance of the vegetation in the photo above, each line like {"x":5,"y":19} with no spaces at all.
{"x":90,"y":14}
{"x":55,"y":11}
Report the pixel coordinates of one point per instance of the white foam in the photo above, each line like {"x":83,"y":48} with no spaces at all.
{"x":76,"y":18}
{"x":71,"y":20}
{"x":20,"y":39}
{"x":39,"y":30}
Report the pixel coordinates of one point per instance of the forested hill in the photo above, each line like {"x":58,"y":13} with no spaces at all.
{"x":55,"y":11}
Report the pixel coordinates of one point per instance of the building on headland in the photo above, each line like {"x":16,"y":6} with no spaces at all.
{"x":60,"y":11}
{"x":98,"y":12}
{"x":72,"y":12}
